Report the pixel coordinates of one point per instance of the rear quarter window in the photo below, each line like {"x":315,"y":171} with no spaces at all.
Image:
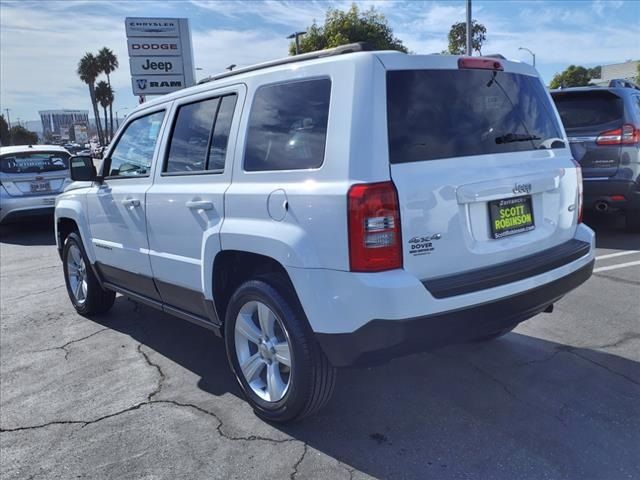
{"x":288,"y":126}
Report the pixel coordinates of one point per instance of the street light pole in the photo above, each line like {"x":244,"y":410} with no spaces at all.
{"x":532,"y":54}
{"x":296,"y":35}
{"x":469,"y":27}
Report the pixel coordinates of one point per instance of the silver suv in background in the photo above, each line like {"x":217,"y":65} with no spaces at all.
{"x":31,"y":176}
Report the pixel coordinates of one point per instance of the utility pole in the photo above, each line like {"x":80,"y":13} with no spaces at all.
{"x":296,"y":35}
{"x":469,"y":27}
{"x":8,"y":117}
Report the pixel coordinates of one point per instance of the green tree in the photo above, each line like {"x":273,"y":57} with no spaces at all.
{"x":104,"y":96}
{"x":22,"y":136}
{"x":88,"y":71}
{"x":5,"y":136}
{"x":108,"y":63}
{"x":573,"y":76}
{"x":595,"y":72}
{"x":458,"y":38}
{"x":343,"y":27}
{"x":638,"y":70}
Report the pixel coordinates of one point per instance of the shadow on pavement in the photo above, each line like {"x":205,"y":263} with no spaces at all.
{"x":517,"y":407}
{"x":29,"y":232}
{"x":610,"y":232}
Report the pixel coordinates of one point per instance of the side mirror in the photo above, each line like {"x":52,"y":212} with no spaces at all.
{"x":82,"y":169}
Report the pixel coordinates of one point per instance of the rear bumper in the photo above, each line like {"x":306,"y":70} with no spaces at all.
{"x":12,"y":208}
{"x":380,"y":340}
{"x":596,"y":191}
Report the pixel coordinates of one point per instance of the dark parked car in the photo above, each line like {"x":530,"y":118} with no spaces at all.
{"x":603,"y":127}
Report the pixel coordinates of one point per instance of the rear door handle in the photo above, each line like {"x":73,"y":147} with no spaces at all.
{"x":199,"y":205}
{"x":131,"y":202}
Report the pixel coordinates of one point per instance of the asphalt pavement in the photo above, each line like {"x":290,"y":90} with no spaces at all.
{"x":139,"y":394}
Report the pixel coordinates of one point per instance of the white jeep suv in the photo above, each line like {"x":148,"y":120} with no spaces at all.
{"x":333,"y":209}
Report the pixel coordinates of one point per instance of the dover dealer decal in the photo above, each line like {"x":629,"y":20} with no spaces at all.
{"x":423,"y":244}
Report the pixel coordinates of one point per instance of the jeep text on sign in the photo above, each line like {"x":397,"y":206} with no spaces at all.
{"x":156,"y":84}
{"x":139,"y":47}
{"x":156,"y":65}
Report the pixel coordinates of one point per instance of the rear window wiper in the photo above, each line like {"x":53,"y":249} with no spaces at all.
{"x":515,"y":137}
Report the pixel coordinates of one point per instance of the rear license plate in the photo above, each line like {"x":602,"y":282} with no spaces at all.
{"x":37,"y":187}
{"x":511,"y":216}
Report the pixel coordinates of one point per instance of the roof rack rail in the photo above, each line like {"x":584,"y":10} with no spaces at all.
{"x":495,"y":55}
{"x":618,"y":82}
{"x":342,"y":49}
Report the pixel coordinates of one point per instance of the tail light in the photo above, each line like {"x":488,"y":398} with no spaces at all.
{"x":375,"y":243}
{"x":626,"y":135}
{"x":481,"y":63}
{"x":579,"y":179}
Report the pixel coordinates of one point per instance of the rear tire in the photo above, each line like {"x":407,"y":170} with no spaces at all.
{"x":85,"y":292}
{"x":632,"y":220}
{"x":264,"y":316}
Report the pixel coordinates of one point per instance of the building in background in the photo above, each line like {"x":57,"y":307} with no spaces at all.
{"x":61,"y":124}
{"x":617,"y":71}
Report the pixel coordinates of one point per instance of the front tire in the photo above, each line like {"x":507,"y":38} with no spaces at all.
{"x":85,"y":292}
{"x":272,"y":352}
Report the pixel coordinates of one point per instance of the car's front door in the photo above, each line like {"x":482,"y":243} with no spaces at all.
{"x":116,"y":207}
{"x":185,"y":205}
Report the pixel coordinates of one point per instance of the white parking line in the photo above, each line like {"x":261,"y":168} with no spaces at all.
{"x":613,"y":267}
{"x":619,"y":254}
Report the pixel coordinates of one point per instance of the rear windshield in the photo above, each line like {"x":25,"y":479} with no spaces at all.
{"x":586,"y":109}
{"x":452,"y":113}
{"x":34,"y":162}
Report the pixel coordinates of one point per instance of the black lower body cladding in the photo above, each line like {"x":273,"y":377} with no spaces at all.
{"x":381,"y":340}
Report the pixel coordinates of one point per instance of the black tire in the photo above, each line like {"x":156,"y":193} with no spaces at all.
{"x":97,"y":299}
{"x":632,"y":221}
{"x":493,"y":336}
{"x":312,"y":377}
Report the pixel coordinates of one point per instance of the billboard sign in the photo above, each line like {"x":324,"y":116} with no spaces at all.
{"x":160,"y":55}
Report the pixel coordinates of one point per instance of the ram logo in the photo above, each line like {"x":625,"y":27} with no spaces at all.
{"x":142,"y":83}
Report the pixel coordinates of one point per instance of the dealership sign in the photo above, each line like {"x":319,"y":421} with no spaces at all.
{"x":160,"y":55}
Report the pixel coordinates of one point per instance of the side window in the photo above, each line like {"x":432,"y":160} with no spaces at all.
{"x":220,"y":138}
{"x":190,"y":137}
{"x":200,"y":134}
{"x":288,"y":126}
{"x":637,"y":103}
{"x":133,"y":153}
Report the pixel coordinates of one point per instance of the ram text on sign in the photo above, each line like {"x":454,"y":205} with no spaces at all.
{"x":139,"y":47}
{"x":156,"y":84}
{"x":156,"y":65}
{"x":152,"y":27}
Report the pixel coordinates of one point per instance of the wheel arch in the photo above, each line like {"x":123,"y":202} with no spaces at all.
{"x":69,"y":217}
{"x":231,"y":268}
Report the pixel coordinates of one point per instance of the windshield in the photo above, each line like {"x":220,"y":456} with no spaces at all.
{"x":34,"y":162}
{"x":436,"y":114}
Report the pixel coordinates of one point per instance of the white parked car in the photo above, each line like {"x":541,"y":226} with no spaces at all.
{"x":31,"y":176}
{"x":333,"y":209}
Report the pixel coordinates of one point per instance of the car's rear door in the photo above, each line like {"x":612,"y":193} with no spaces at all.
{"x":185,"y":205}
{"x":589,"y":118}
{"x":480,"y":164}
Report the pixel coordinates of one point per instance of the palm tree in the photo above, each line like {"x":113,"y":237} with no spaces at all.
{"x":88,"y":71}
{"x":108,"y":63}
{"x":104,"y":95}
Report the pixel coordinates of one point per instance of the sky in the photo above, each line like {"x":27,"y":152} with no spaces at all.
{"x":41,"y":42}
